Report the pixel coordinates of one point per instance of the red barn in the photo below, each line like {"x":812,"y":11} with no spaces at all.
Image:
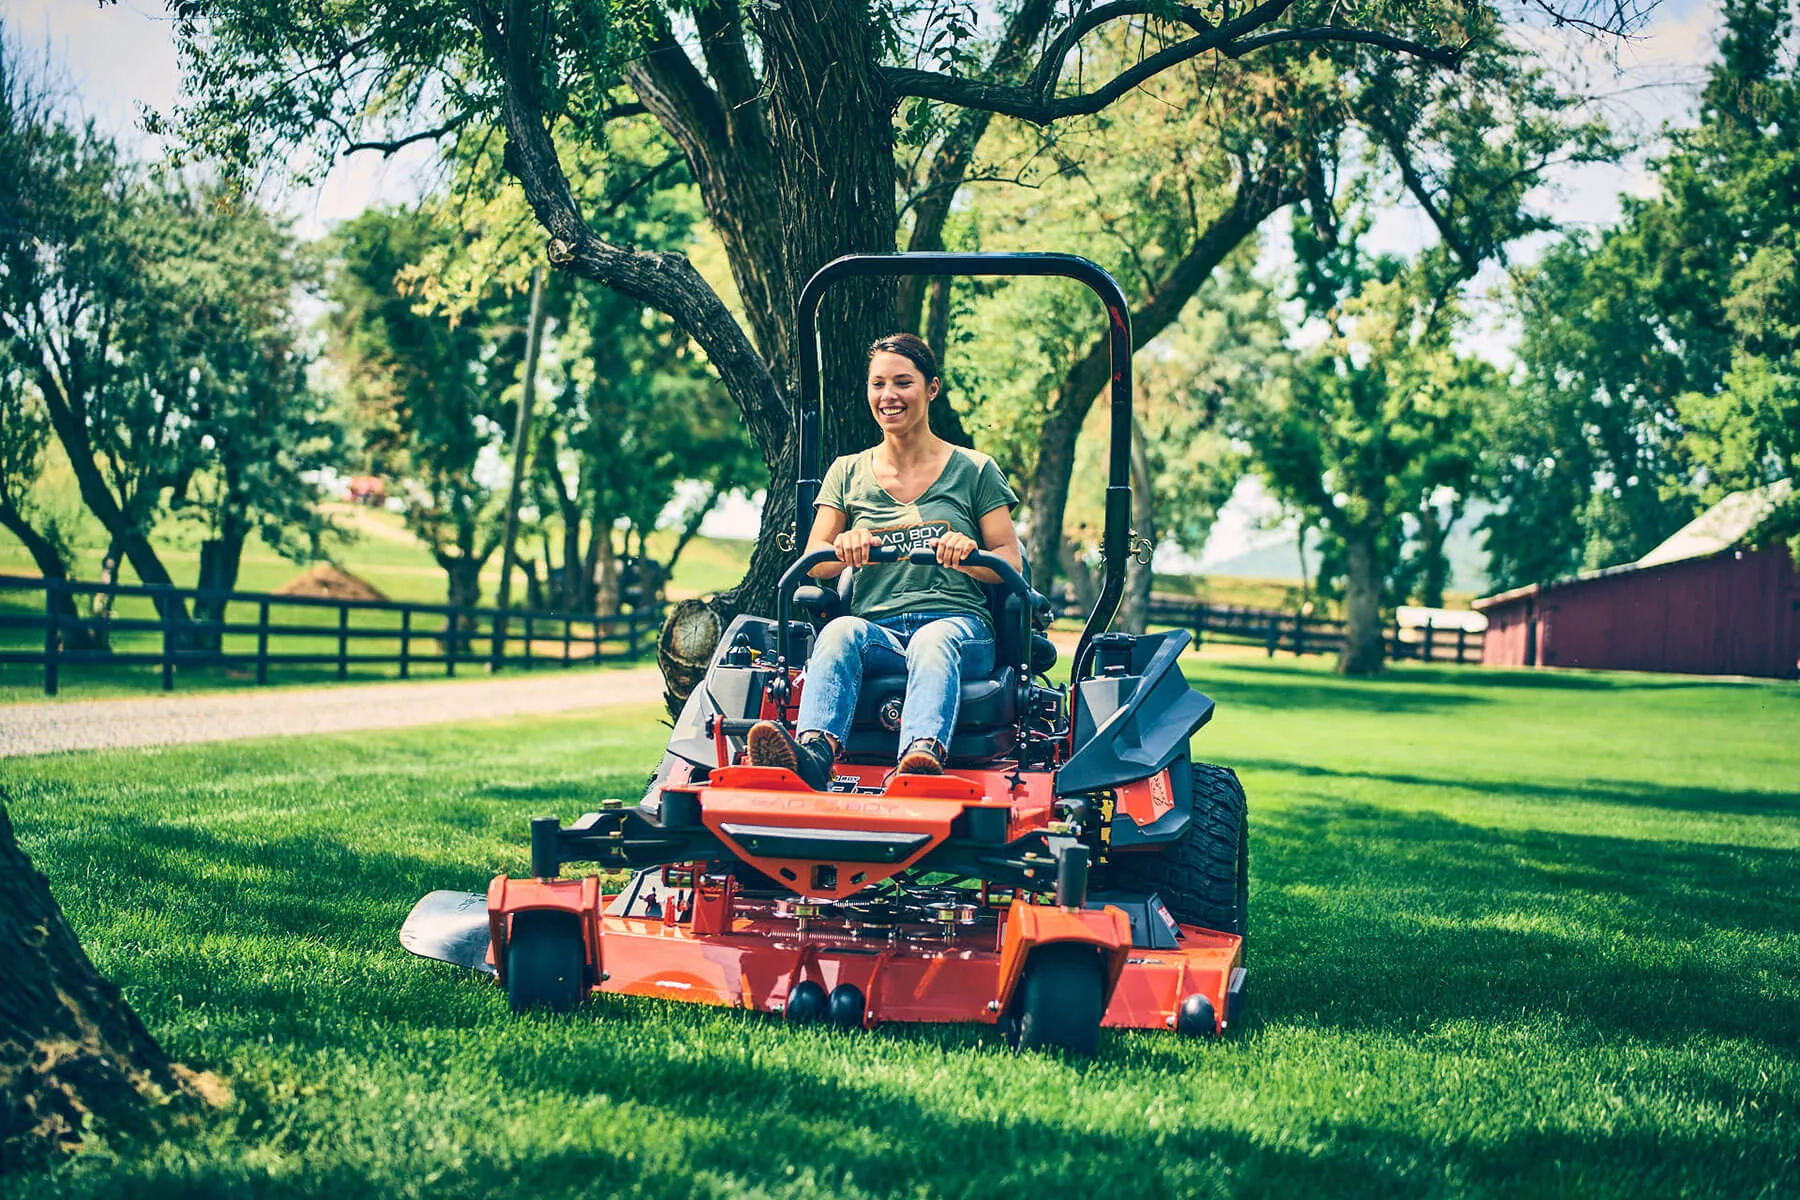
{"x":1698,"y":604}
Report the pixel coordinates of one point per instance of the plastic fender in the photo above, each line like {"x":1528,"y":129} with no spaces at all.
{"x":579,"y":896}
{"x":1029,"y":926}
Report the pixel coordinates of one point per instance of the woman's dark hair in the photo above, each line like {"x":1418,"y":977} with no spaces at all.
{"x":910,"y":346}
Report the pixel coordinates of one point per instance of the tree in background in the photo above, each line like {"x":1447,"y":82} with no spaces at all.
{"x":1660,"y":354}
{"x":76,"y":292}
{"x":785,"y":114}
{"x":152,"y":322}
{"x":428,"y":389}
{"x":258,"y":432}
{"x":633,"y":410}
{"x":1745,"y":158}
{"x":1368,"y":427}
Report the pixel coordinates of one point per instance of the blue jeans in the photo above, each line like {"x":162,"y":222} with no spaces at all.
{"x":934,"y":651}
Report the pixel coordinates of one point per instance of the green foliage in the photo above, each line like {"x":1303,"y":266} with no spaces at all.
{"x":1471,"y":944}
{"x":1661,"y":355}
{"x":1373,"y":423}
{"x":428,"y":389}
{"x":153,"y":319}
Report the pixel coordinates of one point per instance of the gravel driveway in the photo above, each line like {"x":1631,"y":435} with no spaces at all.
{"x":163,"y":720}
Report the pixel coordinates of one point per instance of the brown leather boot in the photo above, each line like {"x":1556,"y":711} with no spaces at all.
{"x":811,"y":757}
{"x":924,"y":757}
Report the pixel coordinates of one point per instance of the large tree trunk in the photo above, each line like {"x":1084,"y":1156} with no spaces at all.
{"x":72,"y":1053}
{"x":1363,"y":649}
{"x":606,"y":572}
{"x":77,"y":634}
{"x":220,"y":558}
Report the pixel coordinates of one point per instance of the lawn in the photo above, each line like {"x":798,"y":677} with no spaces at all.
{"x":1512,"y":934}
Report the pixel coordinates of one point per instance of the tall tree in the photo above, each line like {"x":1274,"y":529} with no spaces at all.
{"x":1366,"y":429}
{"x":257,"y":431}
{"x":1660,"y":354}
{"x":428,"y":388}
{"x":78,"y":252}
{"x":784,"y":113}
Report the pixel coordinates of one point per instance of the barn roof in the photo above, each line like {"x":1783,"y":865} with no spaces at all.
{"x":1718,"y":529}
{"x":1722,"y":526}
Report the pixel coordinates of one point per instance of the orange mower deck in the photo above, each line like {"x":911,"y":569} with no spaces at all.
{"x":741,"y":954}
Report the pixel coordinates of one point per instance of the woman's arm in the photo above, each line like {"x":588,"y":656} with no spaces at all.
{"x":828,"y":533}
{"x":998,"y":537}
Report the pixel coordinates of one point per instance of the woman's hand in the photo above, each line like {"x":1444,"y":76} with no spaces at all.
{"x":853,"y":546}
{"x":953,"y":547}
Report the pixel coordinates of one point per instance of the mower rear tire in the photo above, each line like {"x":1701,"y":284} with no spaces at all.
{"x":1062,"y":998}
{"x":546,"y":966}
{"x":1203,"y":877}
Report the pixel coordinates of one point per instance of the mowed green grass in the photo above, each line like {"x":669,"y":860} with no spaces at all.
{"x":1512,"y":934}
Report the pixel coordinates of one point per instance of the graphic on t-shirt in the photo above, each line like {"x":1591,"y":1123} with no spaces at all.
{"x":907,"y":538}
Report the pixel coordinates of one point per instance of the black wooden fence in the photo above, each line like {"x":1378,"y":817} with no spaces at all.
{"x":1295,"y":634}
{"x":300,"y":630}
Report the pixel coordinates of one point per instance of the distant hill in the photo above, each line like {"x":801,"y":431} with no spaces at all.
{"x":1281,"y":560}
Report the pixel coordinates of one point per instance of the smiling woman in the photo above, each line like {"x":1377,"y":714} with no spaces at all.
{"x":912,"y":491}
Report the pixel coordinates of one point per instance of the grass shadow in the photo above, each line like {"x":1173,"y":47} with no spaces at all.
{"x":1401,"y":922}
{"x":1600,"y":791}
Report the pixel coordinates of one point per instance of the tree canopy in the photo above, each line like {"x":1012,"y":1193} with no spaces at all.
{"x":786,"y":116}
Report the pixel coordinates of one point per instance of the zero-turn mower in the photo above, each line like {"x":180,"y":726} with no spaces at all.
{"x":1073,"y":868}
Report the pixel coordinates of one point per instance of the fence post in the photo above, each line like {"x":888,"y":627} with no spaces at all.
{"x":1199,"y":616}
{"x":262,"y":643}
{"x":452,"y":633}
{"x":1274,"y":635}
{"x":343,"y":641}
{"x":566,"y":635}
{"x":1462,"y":640}
{"x":528,"y":630}
{"x":168,"y":661}
{"x":631,"y":649}
{"x":52,"y":636}
{"x":1299,"y":635}
{"x":597,"y":650}
{"x":405,"y":643}
{"x":1429,"y":630}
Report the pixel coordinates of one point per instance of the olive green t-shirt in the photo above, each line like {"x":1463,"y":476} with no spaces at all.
{"x":971,"y":486}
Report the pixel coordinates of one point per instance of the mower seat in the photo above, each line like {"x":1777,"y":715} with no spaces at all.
{"x":986,"y":719}
{"x":987,"y":715}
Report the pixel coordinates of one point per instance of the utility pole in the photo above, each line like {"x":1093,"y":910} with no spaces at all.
{"x":534,"y":337}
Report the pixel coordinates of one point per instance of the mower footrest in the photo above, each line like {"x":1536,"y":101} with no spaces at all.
{"x":837,"y":845}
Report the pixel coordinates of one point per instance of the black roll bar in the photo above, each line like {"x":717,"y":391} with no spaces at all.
{"x":1115,"y":541}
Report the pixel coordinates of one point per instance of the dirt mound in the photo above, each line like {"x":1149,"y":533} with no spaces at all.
{"x":327,"y":582}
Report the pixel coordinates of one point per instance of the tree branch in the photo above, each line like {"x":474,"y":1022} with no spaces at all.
{"x":666,"y":282}
{"x":1036,"y":101}
{"x":393,"y":146}
{"x":950,"y":165}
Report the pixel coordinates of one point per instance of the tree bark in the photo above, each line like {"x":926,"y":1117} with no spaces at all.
{"x":220,"y":559}
{"x":72,"y":1052}
{"x":464,"y":593}
{"x":606,"y":572}
{"x":76,"y":632}
{"x":1363,"y":650}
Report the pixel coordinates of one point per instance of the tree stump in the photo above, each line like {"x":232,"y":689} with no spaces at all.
{"x":689,"y":635}
{"x":72,"y":1053}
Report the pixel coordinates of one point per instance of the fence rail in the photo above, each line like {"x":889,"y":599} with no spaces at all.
{"x":193,"y":627}
{"x":1284,"y":631}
